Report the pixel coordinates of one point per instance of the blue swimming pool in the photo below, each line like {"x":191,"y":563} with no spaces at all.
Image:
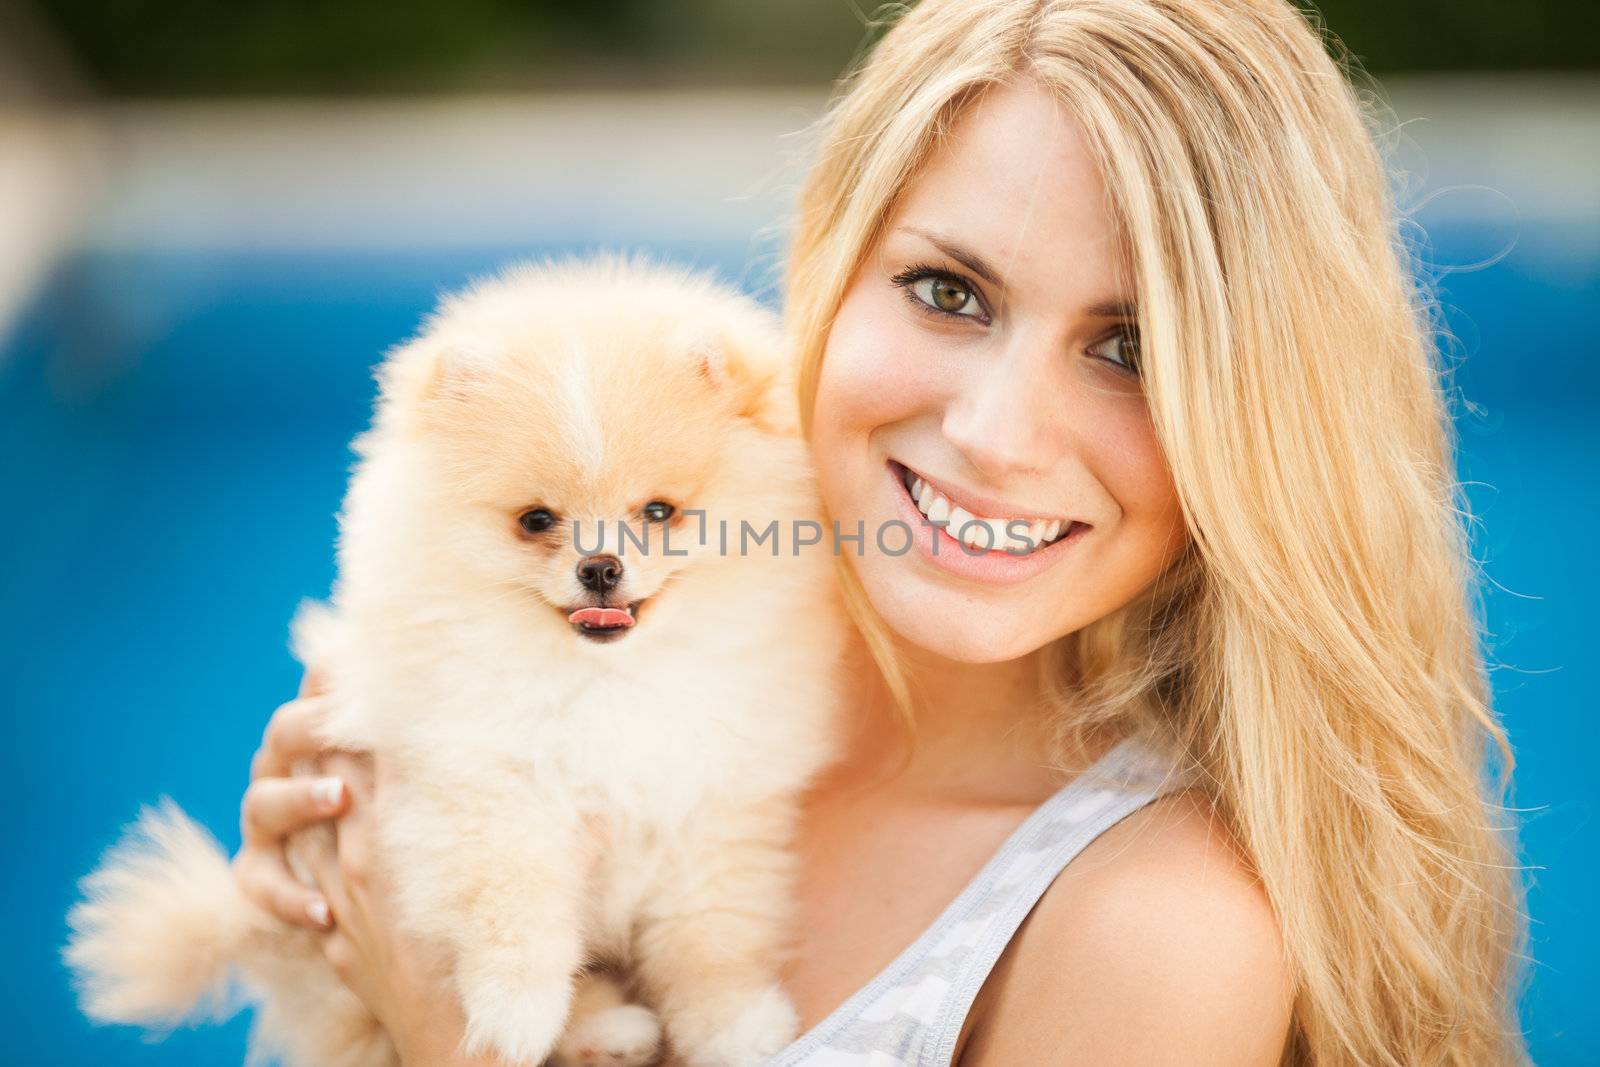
{"x":173,"y":431}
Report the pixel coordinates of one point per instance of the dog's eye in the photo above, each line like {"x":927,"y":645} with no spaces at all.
{"x":658,"y":511}
{"x":536,"y":521}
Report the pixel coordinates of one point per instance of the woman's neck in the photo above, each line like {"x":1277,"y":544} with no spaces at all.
{"x":981,"y":730}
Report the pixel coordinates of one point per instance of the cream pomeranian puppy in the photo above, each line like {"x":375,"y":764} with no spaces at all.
{"x":582,"y":617}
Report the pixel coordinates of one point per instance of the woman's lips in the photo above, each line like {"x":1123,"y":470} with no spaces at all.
{"x":981,"y":522}
{"x":993,"y":566}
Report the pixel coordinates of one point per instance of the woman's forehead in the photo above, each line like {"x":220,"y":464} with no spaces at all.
{"x":1013,"y":191}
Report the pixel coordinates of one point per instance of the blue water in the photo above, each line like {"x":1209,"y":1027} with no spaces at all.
{"x":173,"y":434}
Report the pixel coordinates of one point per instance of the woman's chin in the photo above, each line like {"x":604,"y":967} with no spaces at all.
{"x":947,"y":623}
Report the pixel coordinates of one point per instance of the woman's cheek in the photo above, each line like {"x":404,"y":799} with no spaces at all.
{"x":1150,"y":532}
{"x":871,"y":376}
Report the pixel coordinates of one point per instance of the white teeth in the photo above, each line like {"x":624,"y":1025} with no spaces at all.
{"x":981,"y":533}
{"x":960,"y":521}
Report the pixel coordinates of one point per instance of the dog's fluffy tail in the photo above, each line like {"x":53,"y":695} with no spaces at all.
{"x":160,"y":922}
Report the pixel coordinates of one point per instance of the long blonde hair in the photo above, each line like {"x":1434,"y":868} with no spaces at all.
{"x":1315,"y":651}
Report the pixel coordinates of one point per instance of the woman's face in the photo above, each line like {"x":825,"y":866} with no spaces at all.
{"x":983,"y":365}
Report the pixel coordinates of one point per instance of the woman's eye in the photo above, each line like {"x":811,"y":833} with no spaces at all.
{"x":1121,"y":350}
{"x":943,"y":293}
{"x":658,"y":511}
{"x":946,"y":295}
{"x":538,"y":520}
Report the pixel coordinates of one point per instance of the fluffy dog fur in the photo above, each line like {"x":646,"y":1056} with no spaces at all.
{"x":563,"y":794}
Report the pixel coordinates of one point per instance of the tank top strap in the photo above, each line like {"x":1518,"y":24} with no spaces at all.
{"x":911,"y":1013}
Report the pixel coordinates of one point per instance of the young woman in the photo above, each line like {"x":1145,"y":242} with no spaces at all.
{"x":1127,"y":270}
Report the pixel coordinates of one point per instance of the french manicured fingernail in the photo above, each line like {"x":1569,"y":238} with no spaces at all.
{"x":317,"y":911}
{"x":327,"y":793}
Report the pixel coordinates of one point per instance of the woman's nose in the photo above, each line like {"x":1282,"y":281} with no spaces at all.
{"x":999,"y":417}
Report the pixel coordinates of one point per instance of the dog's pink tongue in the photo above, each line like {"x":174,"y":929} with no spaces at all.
{"x":601,"y":617}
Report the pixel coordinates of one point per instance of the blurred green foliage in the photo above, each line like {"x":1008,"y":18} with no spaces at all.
{"x":207,"y":47}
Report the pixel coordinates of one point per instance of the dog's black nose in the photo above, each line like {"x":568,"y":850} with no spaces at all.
{"x":599,"y":573}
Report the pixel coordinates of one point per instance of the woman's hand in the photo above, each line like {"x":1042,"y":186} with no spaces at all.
{"x":276,"y":805}
{"x":402,"y":982}
{"x":406,"y":990}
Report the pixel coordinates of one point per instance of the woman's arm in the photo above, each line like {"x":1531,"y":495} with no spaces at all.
{"x":404,"y":984}
{"x":405,"y":987}
{"x":1157,"y":945}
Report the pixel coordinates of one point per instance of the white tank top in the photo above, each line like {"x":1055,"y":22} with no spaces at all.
{"x":911,"y":1014}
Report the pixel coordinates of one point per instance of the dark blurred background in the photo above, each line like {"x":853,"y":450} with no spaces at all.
{"x":299,"y":47}
{"x":215,"y":217}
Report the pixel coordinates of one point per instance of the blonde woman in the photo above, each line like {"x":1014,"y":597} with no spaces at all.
{"x":1200,"y":780}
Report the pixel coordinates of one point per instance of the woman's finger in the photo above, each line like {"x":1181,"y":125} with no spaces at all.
{"x":355,"y":768}
{"x":325,"y":861}
{"x":265,"y":879}
{"x":290,"y":737}
{"x":274,"y":808}
{"x":354,"y":831}
{"x":312,"y":683}
{"x":345,"y":959}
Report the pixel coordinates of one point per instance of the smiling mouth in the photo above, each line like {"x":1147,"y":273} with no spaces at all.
{"x":603,"y":622}
{"x":1017,"y":537}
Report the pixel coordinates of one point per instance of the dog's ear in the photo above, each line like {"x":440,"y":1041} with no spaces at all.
{"x":428,"y":374}
{"x":748,"y":367}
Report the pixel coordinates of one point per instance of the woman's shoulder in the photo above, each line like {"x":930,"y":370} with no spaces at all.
{"x":1156,"y":944}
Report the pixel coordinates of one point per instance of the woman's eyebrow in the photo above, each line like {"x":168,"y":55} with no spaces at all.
{"x":1101,"y":309}
{"x":970,"y":260}
{"x":1112,"y":309}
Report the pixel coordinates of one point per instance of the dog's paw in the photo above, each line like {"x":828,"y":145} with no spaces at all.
{"x":520,"y":1025}
{"x":628,"y":1035}
{"x":760,"y":1025}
